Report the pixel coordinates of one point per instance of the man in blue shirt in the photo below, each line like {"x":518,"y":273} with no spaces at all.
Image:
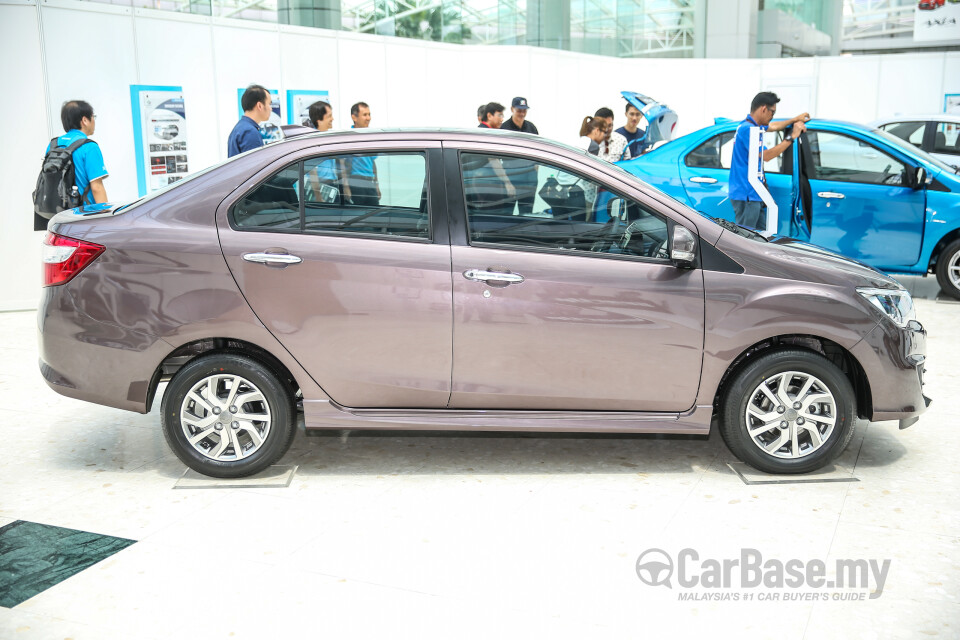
{"x":362,"y":185}
{"x":632,"y":132}
{"x":748,"y":207}
{"x":79,"y":122}
{"x":245,"y":136}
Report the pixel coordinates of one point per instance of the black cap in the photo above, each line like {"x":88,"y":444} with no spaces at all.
{"x":520,"y":103}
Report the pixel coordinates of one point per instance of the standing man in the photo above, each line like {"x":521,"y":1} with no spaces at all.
{"x":518,"y":120}
{"x":245,"y":136}
{"x":521,"y":173}
{"x":748,"y":207}
{"x":79,"y":123}
{"x":492,"y":116}
{"x":632,"y":133}
{"x":614,"y":146}
{"x":362,"y":187}
{"x":320,"y":114}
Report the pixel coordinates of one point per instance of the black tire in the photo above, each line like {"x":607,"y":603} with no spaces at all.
{"x":949,"y":254}
{"x":740,"y":392}
{"x":277,"y":403}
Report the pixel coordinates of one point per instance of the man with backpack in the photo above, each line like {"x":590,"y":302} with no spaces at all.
{"x":89,"y":171}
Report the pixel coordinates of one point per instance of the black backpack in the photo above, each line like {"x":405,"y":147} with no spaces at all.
{"x":56,"y":187}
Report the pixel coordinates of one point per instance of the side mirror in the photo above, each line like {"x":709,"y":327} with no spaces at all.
{"x":683,"y":250}
{"x":914,"y":177}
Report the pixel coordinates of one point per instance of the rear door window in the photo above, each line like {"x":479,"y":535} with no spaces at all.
{"x":946,"y":139}
{"x":371,"y":194}
{"x":717,"y":153}
{"x":912,"y":132}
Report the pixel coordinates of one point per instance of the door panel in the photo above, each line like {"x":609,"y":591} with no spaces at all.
{"x":369,"y":318}
{"x":705,"y":173}
{"x":579,"y":333}
{"x":859,"y":208}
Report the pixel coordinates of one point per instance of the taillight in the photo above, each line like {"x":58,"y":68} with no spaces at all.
{"x":65,"y":257}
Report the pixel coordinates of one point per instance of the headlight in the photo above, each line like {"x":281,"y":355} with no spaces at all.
{"x":896,"y":304}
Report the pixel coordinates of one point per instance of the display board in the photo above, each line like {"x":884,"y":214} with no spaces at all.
{"x":936,"y":20}
{"x":299,"y":101}
{"x":270,"y":130}
{"x":160,"y":136}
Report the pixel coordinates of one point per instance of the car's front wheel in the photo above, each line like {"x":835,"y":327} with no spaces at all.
{"x":787,"y":412}
{"x":948,"y":269}
{"x":228,"y":416}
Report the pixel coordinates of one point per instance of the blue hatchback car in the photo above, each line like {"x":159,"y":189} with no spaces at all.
{"x":858,"y":191}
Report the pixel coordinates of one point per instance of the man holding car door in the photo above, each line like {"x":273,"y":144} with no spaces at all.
{"x":748,"y":206}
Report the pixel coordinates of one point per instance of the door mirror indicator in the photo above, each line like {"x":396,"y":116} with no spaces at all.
{"x":683,"y":250}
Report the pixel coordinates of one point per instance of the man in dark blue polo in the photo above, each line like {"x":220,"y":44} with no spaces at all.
{"x":748,"y":206}
{"x":255,"y":103}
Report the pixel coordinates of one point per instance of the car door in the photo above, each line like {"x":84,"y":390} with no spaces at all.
{"x":859,"y":204}
{"x":357,"y":289}
{"x":555,"y":310}
{"x":705,"y":173}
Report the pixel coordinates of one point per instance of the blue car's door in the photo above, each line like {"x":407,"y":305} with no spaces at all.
{"x":858,"y":204}
{"x":705,"y":173}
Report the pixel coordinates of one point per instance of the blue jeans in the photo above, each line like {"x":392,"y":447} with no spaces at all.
{"x":750,"y":213}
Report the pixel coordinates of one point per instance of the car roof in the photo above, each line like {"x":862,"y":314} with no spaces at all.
{"x":923,"y":117}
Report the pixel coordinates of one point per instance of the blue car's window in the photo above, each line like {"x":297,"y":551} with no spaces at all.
{"x":842,"y":158}
{"x":717,"y":153}
{"x":913,"y":151}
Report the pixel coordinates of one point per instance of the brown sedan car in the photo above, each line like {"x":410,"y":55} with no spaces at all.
{"x":463,"y":280}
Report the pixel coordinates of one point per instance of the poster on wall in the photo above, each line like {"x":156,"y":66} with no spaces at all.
{"x":298,"y":104}
{"x":936,"y":20}
{"x":951,"y":103}
{"x":160,"y":136}
{"x":270,"y":130}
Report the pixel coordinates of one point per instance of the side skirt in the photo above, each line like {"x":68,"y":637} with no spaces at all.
{"x":325,"y":414}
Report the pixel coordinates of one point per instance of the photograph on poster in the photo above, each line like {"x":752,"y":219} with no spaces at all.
{"x":298,"y":104}
{"x":951,"y":103}
{"x":160,"y":125}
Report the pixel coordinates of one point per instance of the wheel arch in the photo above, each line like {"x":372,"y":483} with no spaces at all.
{"x":831,"y":350}
{"x":186,"y":353}
{"x":939,"y":247}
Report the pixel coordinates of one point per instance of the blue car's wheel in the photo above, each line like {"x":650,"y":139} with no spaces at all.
{"x":948,"y":269}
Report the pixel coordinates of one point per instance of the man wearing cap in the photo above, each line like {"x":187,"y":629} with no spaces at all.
{"x":518,"y":121}
{"x":522,"y":173}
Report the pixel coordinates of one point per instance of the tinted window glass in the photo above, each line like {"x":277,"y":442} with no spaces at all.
{"x":717,"y":153}
{"x":521,"y":202}
{"x":946,"y":138}
{"x":275,"y":204}
{"x":362,"y":193}
{"x":912,"y":132}
{"x":838,"y":157}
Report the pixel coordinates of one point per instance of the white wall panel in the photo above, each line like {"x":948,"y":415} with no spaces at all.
{"x":847,"y":88}
{"x":161,"y":45}
{"x":405,"y":71}
{"x":20,"y":159}
{"x":951,"y":76}
{"x":109,"y":39}
{"x":444,"y":99}
{"x":309,"y":62}
{"x":363,"y":78}
{"x":910,"y":84}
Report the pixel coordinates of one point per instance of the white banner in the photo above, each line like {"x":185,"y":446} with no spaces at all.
{"x":936,"y":20}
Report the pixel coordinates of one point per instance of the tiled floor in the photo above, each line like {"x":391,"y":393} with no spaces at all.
{"x":460,"y":536}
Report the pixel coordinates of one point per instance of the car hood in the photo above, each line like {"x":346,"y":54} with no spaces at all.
{"x":791,"y":259}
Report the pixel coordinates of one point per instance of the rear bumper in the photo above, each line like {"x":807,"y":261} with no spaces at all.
{"x":93,"y":361}
{"x":894,"y":360}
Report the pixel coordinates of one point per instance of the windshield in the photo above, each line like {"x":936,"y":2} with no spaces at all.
{"x":920,"y":153}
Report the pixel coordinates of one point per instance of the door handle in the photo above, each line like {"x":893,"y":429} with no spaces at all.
{"x":493,"y":278}
{"x":281,"y":258}
{"x":830,"y":195}
{"x":703,"y":179}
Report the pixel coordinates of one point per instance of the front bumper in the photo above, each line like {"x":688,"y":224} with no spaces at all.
{"x":894,"y":360}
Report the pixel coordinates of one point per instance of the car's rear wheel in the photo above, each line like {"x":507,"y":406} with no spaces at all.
{"x":948,"y":269}
{"x":228,"y":416}
{"x":790,"y":411}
